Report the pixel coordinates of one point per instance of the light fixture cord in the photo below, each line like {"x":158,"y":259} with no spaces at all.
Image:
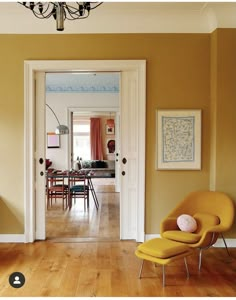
{"x":53,"y":113}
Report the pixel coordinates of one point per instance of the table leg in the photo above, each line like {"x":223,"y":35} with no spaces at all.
{"x":93,"y":192}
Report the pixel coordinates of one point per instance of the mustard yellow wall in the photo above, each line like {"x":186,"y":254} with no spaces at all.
{"x":178,"y":76}
{"x":225,"y":59}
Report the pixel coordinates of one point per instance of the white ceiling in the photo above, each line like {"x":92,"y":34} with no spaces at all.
{"x":127,"y":17}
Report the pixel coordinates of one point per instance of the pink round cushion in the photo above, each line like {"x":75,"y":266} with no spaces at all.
{"x":186,"y":223}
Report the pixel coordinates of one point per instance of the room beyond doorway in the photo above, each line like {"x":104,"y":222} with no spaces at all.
{"x":92,"y":225}
{"x":72,"y":91}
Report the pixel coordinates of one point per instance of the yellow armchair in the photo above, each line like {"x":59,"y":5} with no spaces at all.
{"x":214,"y":214}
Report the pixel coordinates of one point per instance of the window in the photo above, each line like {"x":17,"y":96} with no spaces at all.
{"x":81,"y":139}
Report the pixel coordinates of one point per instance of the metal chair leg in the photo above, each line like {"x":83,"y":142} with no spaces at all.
{"x":186,"y":266}
{"x":163,"y":276}
{"x":200,"y":260}
{"x":225,"y":243}
{"x":140,"y":271}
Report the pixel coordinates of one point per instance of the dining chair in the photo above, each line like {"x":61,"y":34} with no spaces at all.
{"x":78,"y":188}
{"x":57,"y":189}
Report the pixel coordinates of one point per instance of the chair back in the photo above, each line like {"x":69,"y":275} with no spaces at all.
{"x":77,"y":179}
{"x":207,"y":202}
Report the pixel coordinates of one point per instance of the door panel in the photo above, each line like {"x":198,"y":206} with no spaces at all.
{"x":129,"y":155}
{"x":40,"y":157}
{"x":71,"y":140}
{"x":117,"y":153}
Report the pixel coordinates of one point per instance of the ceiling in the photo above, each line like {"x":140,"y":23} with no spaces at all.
{"x":83,"y":82}
{"x":127,"y":17}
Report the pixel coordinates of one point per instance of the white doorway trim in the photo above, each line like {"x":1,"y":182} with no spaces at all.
{"x":95,"y":110}
{"x":83,"y":110}
{"x":30,"y":155}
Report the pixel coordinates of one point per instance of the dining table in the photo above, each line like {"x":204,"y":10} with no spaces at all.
{"x":67,"y":174}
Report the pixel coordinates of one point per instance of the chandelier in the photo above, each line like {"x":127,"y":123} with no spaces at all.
{"x":61,"y":10}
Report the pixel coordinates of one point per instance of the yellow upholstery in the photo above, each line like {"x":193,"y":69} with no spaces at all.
{"x":163,"y":252}
{"x":161,"y":261}
{"x":181,"y":236}
{"x":213,"y":211}
{"x":162,"y":248}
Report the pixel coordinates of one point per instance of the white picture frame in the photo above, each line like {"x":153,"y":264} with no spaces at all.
{"x":53,"y":140}
{"x":110,"y":130}
{"x":178,"y":139}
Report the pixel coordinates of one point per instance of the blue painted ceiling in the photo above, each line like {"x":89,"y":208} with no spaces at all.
{"x":83,"y":82}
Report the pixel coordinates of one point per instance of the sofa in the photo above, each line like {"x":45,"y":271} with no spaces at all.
{"x":96,"y":165}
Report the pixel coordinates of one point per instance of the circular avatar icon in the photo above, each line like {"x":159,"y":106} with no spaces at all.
{"x":17,"y":280}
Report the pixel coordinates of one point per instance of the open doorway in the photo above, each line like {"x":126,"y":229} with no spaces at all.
{"x":67,"y":94}
{"x":132,"y":152}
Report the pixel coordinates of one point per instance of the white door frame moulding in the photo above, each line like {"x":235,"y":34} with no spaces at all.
{"x":30,"y":69}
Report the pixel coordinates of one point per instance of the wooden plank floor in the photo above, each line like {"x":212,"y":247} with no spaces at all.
{"x":89,"y":260}
{"x":111,"y":269}
{"x":90,"y":225}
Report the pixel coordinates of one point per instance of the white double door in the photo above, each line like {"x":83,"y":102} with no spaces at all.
{"x":132,"y":144}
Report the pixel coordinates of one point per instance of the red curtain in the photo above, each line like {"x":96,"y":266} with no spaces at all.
{"x":96,"y":139}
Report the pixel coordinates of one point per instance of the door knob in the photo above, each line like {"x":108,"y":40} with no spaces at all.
{"x":124,"y":160}
{"x":123,"y":173}
{"x":41,"y":161}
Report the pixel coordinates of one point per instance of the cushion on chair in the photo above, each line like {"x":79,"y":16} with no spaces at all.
{"x":162,"y":248}
{"x":78,"y":188}
{"x":181,"y":236}
{"x":186,"y":223}
{"x":205,"y":220}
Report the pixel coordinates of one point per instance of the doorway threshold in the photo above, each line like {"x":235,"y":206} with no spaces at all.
{"x":82,"y":240}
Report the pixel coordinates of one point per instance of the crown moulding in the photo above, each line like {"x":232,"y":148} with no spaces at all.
{"x":127,"y":17}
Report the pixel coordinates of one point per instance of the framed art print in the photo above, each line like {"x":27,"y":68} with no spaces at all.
{"x":178,"y":139}
{"x":53,"y":140}
{"x":110,"y":129}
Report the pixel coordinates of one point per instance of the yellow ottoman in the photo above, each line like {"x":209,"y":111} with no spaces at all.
{"x":162,"y":251}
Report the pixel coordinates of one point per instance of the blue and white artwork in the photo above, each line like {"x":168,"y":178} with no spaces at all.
{"x":179,"y":139}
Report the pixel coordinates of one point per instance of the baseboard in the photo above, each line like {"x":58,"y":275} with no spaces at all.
{"x":231,"y":243}
{"x":151,"y":236}
{"x":12,"y":238}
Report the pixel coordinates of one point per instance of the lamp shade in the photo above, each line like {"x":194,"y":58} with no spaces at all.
{"x":110,"y":122}
{"x":62,"y":129}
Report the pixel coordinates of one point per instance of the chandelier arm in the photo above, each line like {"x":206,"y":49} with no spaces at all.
{"x":41,"y":16}
{"x":98,"y":4}
{"x":38,"y":14}
{"x":76,"y":17}
{"x":76,"y":11}
{"x":46,"y":10}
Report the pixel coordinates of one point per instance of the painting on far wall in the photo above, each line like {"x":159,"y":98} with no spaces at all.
{"x":53,"y":140}
{"x":111,"y":146}
{"x":110,"y":129}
